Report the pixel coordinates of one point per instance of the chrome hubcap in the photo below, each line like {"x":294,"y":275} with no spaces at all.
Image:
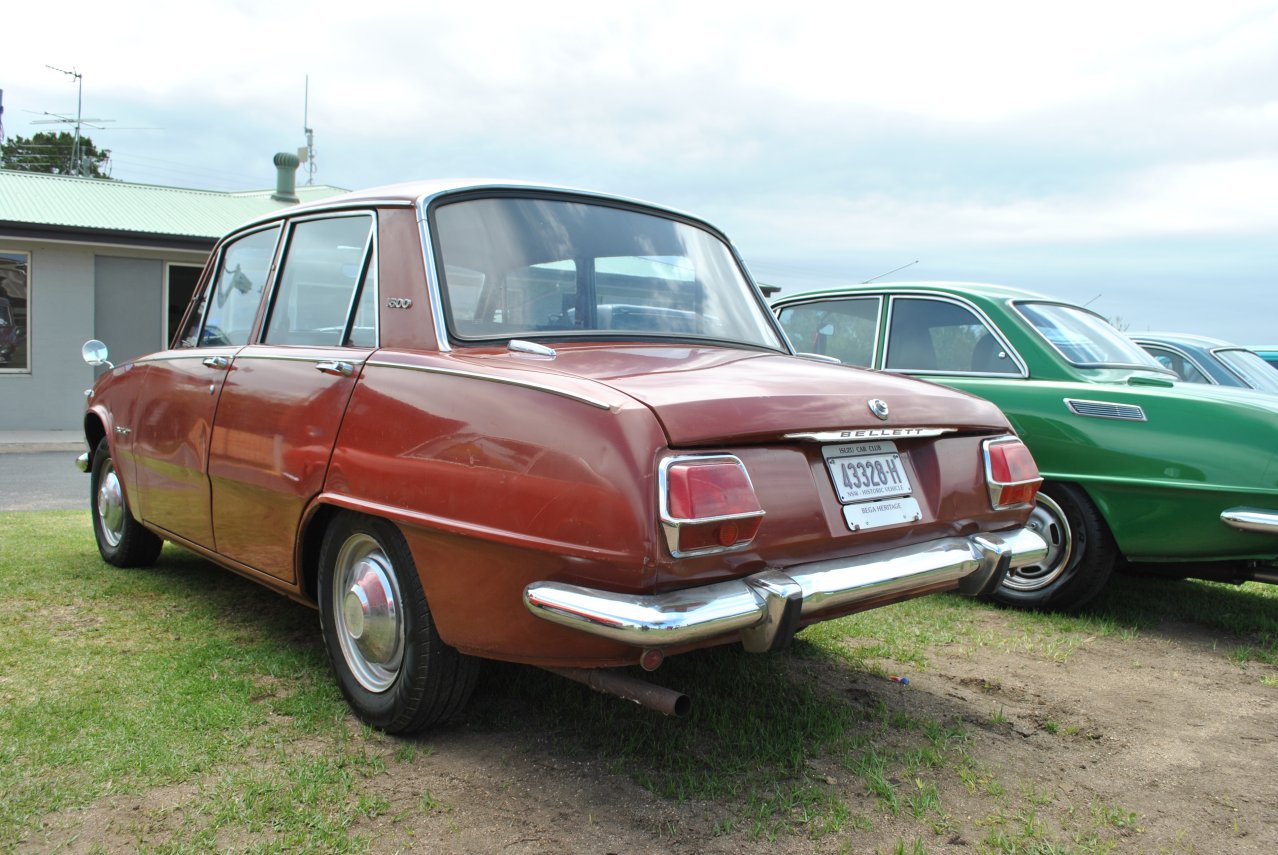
{"x":110,"y":501}
{"x":1049,"y":522}
{"x":368,"y":613}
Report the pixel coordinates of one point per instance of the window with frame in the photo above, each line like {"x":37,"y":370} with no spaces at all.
{"x":1173,"y":361}
{"x":937,"y":335}
{"x":843,"y":328}
{"x":15,"y":298}
{"x":232,"y":297}
{"x":325,"y":296}
{"x":529,"y":267}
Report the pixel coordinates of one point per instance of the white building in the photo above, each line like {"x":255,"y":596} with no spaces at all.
{"x":84,"y":258}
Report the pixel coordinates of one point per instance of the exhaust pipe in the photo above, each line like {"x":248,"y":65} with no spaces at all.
{"x":610,"y":682}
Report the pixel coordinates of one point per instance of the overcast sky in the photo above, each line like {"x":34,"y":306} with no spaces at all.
{"x":1119,"y":154}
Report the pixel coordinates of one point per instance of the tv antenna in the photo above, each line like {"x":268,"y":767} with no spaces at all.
{"x":66,"y":120}
{"x":890,"y":272}
{"x":307,"y":155}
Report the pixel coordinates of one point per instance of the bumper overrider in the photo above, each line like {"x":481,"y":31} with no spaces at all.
{"x":1251,"y":519}
{"x":766,"y":608}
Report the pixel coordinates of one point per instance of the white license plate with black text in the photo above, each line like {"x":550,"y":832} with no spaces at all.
{"x":872,"y":484}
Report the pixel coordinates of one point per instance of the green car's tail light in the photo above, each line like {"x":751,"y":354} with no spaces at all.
{"x":1010,"y":473}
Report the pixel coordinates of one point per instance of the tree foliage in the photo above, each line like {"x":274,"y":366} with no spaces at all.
{"x":54,"y":153}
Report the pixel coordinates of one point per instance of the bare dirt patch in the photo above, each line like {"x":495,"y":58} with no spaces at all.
{"x":1145,"y":743}
{"x":1158,"y":742}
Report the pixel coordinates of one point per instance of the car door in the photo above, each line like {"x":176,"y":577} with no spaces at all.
{"x":182,"y":386}
{"x":285,"y":394}
{"x":945,"y":337}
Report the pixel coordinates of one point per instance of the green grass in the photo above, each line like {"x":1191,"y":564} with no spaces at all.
{"x":118,"y":683}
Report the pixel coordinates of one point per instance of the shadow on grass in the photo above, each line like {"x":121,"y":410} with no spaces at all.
{"x":1242,"y":614}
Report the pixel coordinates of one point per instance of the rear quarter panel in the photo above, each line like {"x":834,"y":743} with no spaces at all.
{"x":1161,"y":484}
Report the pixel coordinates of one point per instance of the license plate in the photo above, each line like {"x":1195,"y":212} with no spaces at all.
{"x":872,"y":484}
{"x":866,"y":470}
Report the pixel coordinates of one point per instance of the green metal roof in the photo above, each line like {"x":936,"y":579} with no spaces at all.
{"x":39,"y":199}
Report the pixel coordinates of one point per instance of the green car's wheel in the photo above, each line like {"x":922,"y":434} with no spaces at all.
{"x":1080,"y":553}
{"x":122,"y":540}
{"x":390,"y":662}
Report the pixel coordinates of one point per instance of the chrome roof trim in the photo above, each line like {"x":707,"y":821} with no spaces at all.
{"x":507,"y":381}
{"x":322,"y":206}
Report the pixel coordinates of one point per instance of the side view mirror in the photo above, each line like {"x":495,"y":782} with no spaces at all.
{"x":94,"y":353}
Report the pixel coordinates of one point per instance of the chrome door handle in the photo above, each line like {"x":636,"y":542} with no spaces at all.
{"x":217,"y":361}
{"x":336,"y":367}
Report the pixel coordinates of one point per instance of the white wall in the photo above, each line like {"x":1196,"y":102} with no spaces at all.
{"x":63,"y":296}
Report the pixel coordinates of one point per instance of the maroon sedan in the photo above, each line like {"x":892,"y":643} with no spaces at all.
{"x":550,"y":427}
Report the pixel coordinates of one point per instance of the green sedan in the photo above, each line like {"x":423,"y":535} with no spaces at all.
{"x":1174,"y":478}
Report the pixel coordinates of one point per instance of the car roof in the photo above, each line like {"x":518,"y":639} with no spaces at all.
{"x":1190,"y":339}
{"x":986,"y":290}
{"x":412,"y":193}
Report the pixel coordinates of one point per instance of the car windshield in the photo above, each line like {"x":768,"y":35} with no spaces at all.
{"x":1253,"y":370}
{"x":1086,"y":339}
{"x":529,"y":267}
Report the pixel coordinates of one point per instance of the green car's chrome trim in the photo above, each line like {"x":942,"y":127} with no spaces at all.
{"x":1251,"y":519}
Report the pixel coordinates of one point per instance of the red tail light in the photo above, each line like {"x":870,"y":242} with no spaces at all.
{"x":1010,"y":472}
{"x":707,"y":504}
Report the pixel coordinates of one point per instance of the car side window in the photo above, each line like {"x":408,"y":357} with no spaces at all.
{"x":230,"y":302}
{"x":843,"y":328}
{"x":937,"y":335}
{"x":323,"y":280}
{"x":1170,"y":359}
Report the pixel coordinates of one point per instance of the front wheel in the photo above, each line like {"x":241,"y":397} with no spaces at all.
{"x":122,"y":540}
{"x":395,"y":671}
{"x":1080,"y":553}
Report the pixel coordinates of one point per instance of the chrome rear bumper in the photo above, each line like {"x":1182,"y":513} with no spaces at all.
{"x":1251,"y":519}
{"x":765,"y":608}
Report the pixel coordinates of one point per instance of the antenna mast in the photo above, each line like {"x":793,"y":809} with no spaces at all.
{"x":309,"y":152}
{"x":79,"y":101}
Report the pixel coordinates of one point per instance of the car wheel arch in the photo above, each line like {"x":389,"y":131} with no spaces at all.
{"x":310,"y":540}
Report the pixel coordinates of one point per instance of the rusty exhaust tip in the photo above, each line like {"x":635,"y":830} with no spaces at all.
{"x":611,"y":682}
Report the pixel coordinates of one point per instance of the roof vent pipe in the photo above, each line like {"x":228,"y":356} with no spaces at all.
{"x":285,"y":177}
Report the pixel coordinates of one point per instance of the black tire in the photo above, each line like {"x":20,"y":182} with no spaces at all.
{"x":122,"y":540}
{"x":395,"y":671}
{"x":1080,"y":557}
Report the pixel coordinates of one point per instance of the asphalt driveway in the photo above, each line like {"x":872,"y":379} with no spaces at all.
{"x":42,"y":481}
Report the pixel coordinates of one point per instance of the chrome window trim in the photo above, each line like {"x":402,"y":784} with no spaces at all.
{"x":322,"y":207}
{"x":826,"y":298}
{"x":434,"y":289}
{"x":434,"y":286}
{"x":1183,"y":354}
{"x":285,"y":357}
{"x":1233,"y":372}
{"x":268,"y":286}
{"x":1034,"y":330}
{"x":507,"y":381}
{"x":1022,"y":368}
{"x":369,"y":265}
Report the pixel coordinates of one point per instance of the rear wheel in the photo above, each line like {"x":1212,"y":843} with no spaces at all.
{"x":1080,"y":553}
{"x":122,"y":540}
{"x":395,"y":671}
